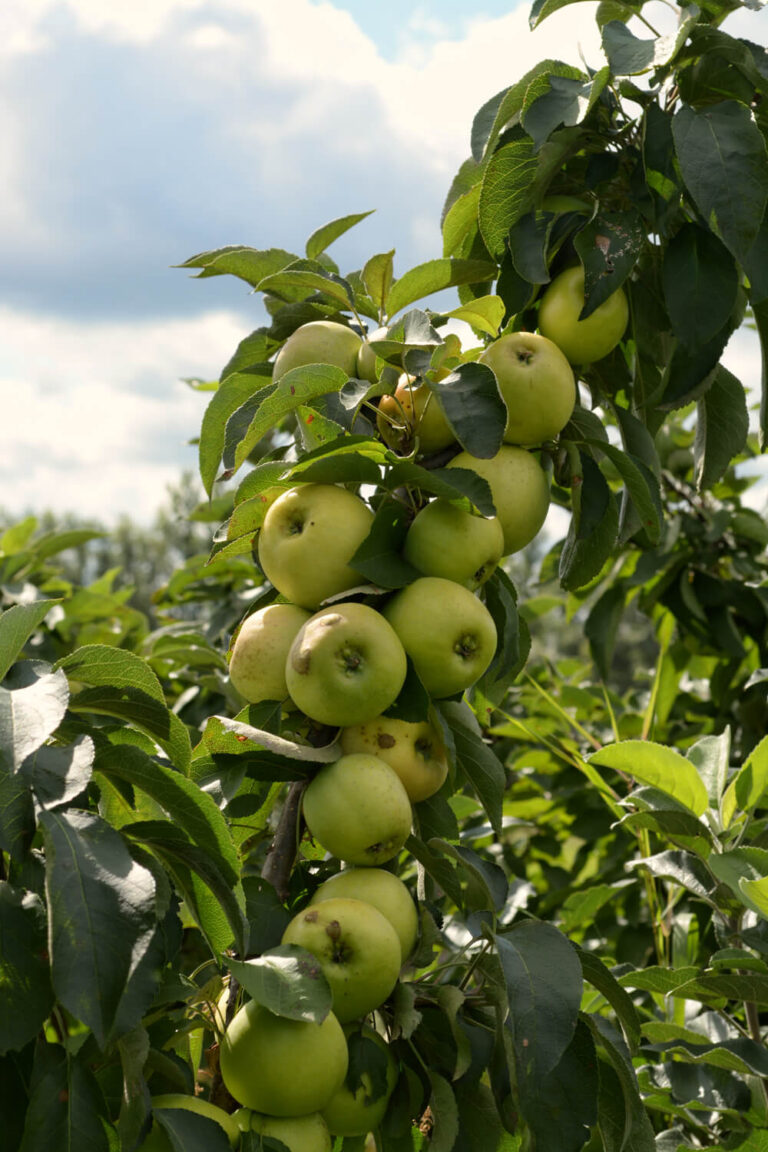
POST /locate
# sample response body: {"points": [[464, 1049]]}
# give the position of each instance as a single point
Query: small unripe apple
{"points": [[261, 1052], [345, 666], [385, 891], [413, 411], [356, 1112], [536, 383], [319, 342], [357, 948], [519, 489], [358, 809], [448, 633], [582, 341], [414, 749], [298, 1133], [260, 650], [445, 540], [308, 537]]}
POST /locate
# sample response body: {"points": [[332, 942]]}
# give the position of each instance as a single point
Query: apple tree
{"points": [[558, 858]]}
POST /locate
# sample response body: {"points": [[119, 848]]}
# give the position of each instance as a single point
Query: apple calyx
{"points": [[466, 646], [350, 659]]}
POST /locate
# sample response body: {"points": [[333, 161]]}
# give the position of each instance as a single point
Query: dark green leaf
{"points": [[470, 399], [700, 281], [514, 641], [17, 624], [601, 978], [378, 558], [445, 1112], [301, 278], [26, 997], [622, 1119], [188, 1131], [232, 394], [487, 878], [323, 237], [288, 980], [602, 624], [449, 483], [608, 247], [66, 1107], [681, 868], [721, 428], [528, 245], [481, 766], [267, 916], [561, 1106], [102, 918], [721, 148], [507, 193], [642, 487], [592, 531], [57, 774], [442, 872]]}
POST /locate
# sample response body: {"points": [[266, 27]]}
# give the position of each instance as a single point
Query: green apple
{"points": [[519, 489], [358, 809], [448, 633], [357, 948], [413, 411], [202, 1107], [415, 751], [358, 1108], [260, 650], [308, 537], [366, 357], [582, 341], [536, 383], [260, 1053], [445, 540], [319, 342], [385, 892], [298, 1133], [345, 666]]}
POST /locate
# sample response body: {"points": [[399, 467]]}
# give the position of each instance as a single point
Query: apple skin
{"points": [[366, 357], [260, 650], [519, 488], [345, 666], [447, 541], [309, 535], [536, 383], [385, 892], [448, 633], [298, 1133], [203, 1108], [357, 949], [416, 410], [355, 1113], [358, 810], [319, 342], [260, 1053], [582, 341], [414, 750]]}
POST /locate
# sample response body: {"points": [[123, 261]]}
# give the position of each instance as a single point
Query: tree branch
{"points": [[282, 850]]}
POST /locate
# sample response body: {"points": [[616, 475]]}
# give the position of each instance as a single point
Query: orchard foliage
{"points": [[592, 879]]}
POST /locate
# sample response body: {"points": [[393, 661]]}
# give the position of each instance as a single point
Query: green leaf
{"points": [[514, 641], [601, 978], [323, 237], [507, 192], [488, 879], [681, 827], [66, 1106], [445, 1111], [641, 484], [187, 806], [444, 874], [377, 277], [543, 979], [561, 1107], [481, 766], [378, 558], [288, 980], [249, 264], [622, 1118], [566, 99], [57, 774], [721, 428], [26, 997], [659, 766], [257, 416], [230, 397], [301, 278], [761, 320], [721, 148], [32, 705], [449, 483], [681, 868], [434, 276], [608, 247], [700, 281], [472, 403], [628, 55], [484, 314], [122, 684], [592, 531], [710, 756], [748, 785], [102, 918], [188, 1131]]}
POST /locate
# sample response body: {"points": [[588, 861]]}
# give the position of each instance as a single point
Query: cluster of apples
{"points": [[343, 663]]}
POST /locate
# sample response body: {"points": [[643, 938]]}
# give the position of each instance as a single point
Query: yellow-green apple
{"points": [[385, 891], [158, 1140], [308, 537], [519, 489], [319, 342], [357, 948], [260, 1053], [361, 1107], [298, 1133], [414, 749], [536, 383], [582, 341], [445, 540], [260, 650], [448, 633], [366, 357], [345, 666], [414, 410], [358, 809]]}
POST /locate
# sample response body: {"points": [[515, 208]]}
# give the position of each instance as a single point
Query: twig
{"points": [[282, 851]]}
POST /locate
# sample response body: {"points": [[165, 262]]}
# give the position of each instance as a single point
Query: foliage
{"points": [[592, 881]]}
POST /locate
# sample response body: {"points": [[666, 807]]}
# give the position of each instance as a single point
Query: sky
{"points": [[137, 133]]}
